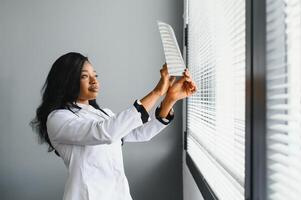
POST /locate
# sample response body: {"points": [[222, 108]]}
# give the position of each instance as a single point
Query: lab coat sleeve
{"points": [[65, 127], [150, 129]]}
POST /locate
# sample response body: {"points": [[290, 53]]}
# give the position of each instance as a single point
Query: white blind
{"points": [[216, 113], [283, 99]]}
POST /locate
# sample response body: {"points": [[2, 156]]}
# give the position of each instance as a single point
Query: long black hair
{"points": [[60, 91]]}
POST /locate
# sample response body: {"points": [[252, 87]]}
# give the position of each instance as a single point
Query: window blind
{"points": [[283, 99], [216, 113]]}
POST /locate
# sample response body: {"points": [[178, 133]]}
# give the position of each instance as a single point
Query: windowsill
{"points": [[199, 179]]}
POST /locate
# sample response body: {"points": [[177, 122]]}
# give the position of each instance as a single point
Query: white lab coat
{"points": [[90, 145]]}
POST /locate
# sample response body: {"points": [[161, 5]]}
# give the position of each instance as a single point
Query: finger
{"points": [[187, 74], [185, 79], [164, 71], [191, 89], [188, 79], [164, 67], [194, 89], [182, 79], [192, 83], [191, 86]]}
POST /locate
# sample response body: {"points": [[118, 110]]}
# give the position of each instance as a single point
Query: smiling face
{"points": [[89, 85]]}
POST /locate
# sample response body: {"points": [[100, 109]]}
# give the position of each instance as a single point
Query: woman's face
{"points": [[89, 85]]}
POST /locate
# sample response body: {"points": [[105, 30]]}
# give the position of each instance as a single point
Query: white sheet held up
{"points": [[173, 56]]}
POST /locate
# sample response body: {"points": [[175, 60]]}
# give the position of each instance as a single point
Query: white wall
{"points": [[123, 43]]}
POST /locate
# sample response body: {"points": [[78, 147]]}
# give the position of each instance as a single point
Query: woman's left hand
{"points": [[165, 81]]}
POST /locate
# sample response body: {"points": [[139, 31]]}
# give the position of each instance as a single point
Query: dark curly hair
{"points": [[60, 91]]}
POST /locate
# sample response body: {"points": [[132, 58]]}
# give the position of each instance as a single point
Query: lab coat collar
{"points": [[86, 107], [83, 105], [90, 108]]}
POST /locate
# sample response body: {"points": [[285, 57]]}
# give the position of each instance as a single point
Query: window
{"points": [[244, 124], [216, 113], [283, 82]]}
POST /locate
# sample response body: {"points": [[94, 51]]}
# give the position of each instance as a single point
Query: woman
{"points": [[89, 138]]}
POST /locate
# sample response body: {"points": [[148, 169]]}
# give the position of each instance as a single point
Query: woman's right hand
{"points": [[165, 81], [182, 88]]}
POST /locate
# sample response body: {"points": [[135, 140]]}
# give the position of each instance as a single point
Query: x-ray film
{"points": [[173, 56]]}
